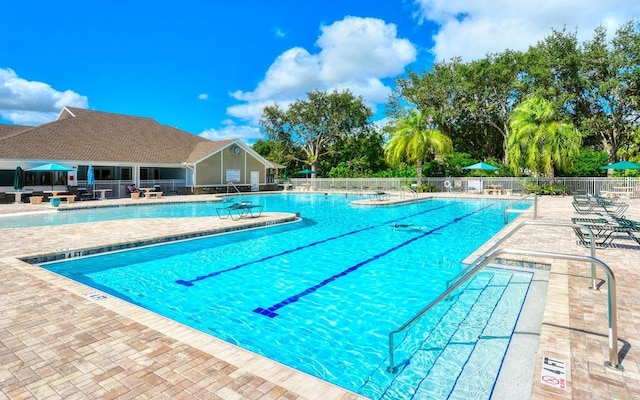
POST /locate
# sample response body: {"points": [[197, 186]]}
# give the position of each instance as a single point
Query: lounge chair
{"points": [[605, 230], [239, 210], [591, 204], [379, 194], [635, 225]]}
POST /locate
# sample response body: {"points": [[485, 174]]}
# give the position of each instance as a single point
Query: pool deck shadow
{"points": [[61, 339]]}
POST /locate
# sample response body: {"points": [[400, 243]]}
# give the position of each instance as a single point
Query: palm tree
{"points": [[413, 140], [540, 140]]}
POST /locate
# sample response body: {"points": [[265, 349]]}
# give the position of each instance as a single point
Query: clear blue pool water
{"points": [[322, 295]]}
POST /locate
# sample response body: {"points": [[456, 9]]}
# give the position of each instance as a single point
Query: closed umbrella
{"points": [[91, 177], [18, 180]]}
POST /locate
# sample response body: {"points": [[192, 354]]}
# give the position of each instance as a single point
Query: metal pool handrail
{"points": [[539, 223], [509, 210], [612, 311], [231, 184], [404, 189]]}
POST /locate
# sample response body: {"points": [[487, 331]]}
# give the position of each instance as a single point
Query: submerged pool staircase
{"points": [[457, 339], [489, 256]]}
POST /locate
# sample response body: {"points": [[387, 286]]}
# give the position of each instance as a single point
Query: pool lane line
{"points": [[216, 273], [270, 311]]}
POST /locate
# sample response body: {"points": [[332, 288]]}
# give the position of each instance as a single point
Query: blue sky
{"points": [[209, 66]]}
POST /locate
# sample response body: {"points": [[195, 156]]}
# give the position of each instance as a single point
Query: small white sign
{"points": [[553, 372], [233, 175]]}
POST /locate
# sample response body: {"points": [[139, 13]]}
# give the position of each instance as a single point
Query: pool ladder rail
{"points": [[509, 210], [230, 184], [491, 254], [404, 190]]}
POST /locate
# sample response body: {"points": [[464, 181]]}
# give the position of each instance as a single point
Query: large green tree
{"points": [[412, 139], [310, 128], [613, 90], [356, 156], [470, 102], [540, 140]]}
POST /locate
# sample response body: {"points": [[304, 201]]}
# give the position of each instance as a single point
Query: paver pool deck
{"points": [[62, 340]]}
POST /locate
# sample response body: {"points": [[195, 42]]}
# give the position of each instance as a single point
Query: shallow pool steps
{"points": [[468, 336]]}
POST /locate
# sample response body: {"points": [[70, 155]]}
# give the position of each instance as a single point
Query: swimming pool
{"points": [[110, 213], [322, 295]]}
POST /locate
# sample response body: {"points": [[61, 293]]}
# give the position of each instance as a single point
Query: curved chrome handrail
{"points": [[613, 361]]}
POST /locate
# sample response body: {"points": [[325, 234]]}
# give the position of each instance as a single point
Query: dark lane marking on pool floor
{"points": [[271, 311], [216, 273]]}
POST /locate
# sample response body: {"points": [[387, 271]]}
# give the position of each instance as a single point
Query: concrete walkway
{"points": [[62, 340]]}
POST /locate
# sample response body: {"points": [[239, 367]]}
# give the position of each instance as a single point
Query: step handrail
{"points": [[592, 247], [508, 210], [233, 186], [612, 311], [404, 189]]}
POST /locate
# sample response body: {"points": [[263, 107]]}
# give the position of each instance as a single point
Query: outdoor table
{"points": [[54, 192], [18, 194], [623, 191], [144, 191], [102, 192]]}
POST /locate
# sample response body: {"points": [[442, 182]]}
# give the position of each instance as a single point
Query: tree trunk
{"points": [[419, 172]]}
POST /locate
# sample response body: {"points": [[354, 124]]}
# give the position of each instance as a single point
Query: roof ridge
{"points": [[86, 110], [17, 132]]}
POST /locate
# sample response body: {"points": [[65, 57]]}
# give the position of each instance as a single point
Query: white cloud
{"points": [[279, 32], [251, 111], [247, 133], [472, 28], [203, 96], [355, 53], [31, 103]]}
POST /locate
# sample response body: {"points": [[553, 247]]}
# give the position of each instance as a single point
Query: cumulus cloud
{"points": [[26, 102], [473, 28], [203, 96], [247, 133], [354, 53]]}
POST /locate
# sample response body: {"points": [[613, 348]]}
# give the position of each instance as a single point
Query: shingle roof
{"points": [[10, 130], [80, 134]]}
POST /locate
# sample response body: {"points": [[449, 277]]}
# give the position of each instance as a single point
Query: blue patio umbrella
{"points": [[622, 165], [482, 166], [51, 167], [91, 178], [18, 180]]}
